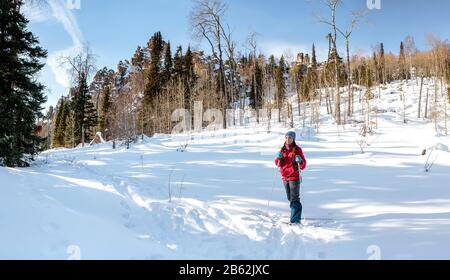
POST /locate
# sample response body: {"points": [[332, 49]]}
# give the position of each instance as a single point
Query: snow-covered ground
{"points": [[226, 196]]}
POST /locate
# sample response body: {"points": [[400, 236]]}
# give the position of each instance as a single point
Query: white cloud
{"points": [[35, 12], [57, 10], [60, 71], [67, 19]]}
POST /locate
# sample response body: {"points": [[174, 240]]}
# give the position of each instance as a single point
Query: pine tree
{"points": [[189, 77], [361, 73], [256, 96], [382, 65], [178, 63], [271, 66], [369, 78], [306, 86], [313, 79], [188, 63], [376, 67], [85, 114], [168, 63], [402, 63], [314, 58], [281, 85], [104, 109], [331, 69], [21, 97], [69, 131], [58, 137], [153, 83]]}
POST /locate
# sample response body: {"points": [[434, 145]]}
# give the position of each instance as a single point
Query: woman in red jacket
{"points": [[291, 161]]}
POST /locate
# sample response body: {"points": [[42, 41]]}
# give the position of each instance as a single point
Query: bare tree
{"points": [[333, 5], [420, 96], [252, 44], [206, 21], [410, 48], [403, 98], [356, 17], [440, 55], [231, 55], [346, 34], [80, 68]]}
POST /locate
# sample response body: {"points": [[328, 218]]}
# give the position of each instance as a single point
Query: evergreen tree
{"points": [[362, 73], [104, 109], [69, 131], [305, 92], [331, 69], [58, 137], [178, 63], [313, 78], [369, 78], [271, 66], [21, 97], [153, 82], [402, 63], [281, 85], [314, 58], [168, 63], [189, 77], [188, 63], [256, 92], [382, 65], [85, 114], [376, 67]]}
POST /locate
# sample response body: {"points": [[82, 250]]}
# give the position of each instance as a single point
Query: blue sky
{"points": [[114, 28]]}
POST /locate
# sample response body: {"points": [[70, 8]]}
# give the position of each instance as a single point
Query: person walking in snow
{"points": [[291, 161]]}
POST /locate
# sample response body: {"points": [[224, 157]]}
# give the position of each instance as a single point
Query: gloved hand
{"points": [[298, 159], [280, 156]]}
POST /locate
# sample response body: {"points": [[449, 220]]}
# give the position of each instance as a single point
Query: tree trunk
{"points": [[445, 116], [222, 72], [298, 97], [82, 135], [336, 69], [291, 115], [256, 87], [420, 98], [435, 106], [350, 94], [404, 108]]}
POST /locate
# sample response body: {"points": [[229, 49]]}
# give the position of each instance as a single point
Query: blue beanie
{"points": [[291, 134]]}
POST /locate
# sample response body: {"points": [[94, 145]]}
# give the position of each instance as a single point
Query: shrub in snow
{"points": [[433, 155]]}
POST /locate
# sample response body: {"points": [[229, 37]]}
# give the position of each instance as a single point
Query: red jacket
{"points": [[288, 170]]}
